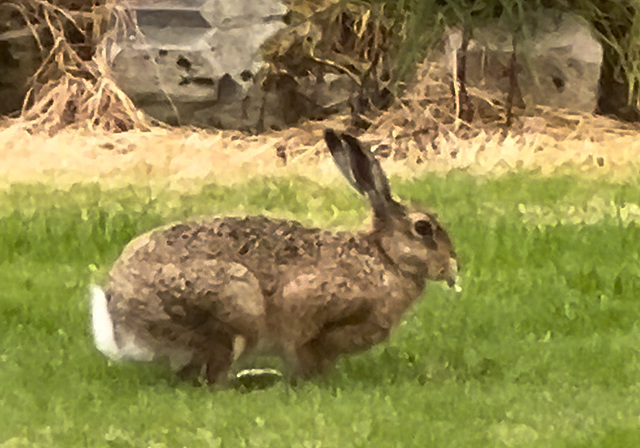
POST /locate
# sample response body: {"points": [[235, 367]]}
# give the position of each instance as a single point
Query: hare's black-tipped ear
{"points": [[340, 154], [367, 170], [362, 170]]}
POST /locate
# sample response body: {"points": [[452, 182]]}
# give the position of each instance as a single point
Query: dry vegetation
{"points": [[182, 156], [73, 84], [78, 126], [417, 136]]}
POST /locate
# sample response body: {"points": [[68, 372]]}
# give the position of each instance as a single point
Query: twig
{"points": [[465, 106], [513, 87]]}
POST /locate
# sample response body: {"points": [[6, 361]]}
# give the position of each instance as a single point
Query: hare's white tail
{"points": [[102, 324], [104, 332]]}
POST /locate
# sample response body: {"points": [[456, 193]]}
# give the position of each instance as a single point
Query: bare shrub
{"points": [[73, 86]]}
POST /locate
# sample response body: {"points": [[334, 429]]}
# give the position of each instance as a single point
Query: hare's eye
{"points": [[423, 228]]}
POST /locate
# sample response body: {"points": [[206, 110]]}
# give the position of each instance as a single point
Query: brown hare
{"points": [[200, 292]]}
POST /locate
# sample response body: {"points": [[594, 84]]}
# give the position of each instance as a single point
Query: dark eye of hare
{"points": [[423, 228]]}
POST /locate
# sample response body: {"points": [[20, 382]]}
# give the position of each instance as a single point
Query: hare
{"points": [[204, 292]]}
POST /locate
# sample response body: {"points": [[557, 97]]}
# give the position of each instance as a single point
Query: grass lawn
{"points": [[541, 349]]}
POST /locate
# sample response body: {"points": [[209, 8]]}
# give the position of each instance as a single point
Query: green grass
{"points": [[541, 349]]}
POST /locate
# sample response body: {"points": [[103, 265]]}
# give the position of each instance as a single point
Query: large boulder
{"points": [[558, 62], [199, 62]]}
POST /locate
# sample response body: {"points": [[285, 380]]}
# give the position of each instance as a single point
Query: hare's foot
{"points": [[212, 362], [314, 357], [191, 372], [220, 358]]}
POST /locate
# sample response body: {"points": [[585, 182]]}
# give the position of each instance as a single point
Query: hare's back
{"points": [[212, 237], [265, 246]]}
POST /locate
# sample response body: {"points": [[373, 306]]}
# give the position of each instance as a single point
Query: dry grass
{"points": [[182, 157], [417, 136], [73, 86]]}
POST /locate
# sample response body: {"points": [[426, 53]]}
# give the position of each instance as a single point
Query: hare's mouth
{"points": [[455, 284], [451, 275]]}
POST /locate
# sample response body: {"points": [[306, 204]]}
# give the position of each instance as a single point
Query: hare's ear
{"points": [[341, 157], [363, 171]]}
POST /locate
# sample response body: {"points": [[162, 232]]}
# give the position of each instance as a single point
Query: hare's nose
{"points": [[453, 267]]}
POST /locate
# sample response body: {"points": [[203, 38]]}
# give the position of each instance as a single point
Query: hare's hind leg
{"points": [[234, 298], [190, 312], [216, 360]]}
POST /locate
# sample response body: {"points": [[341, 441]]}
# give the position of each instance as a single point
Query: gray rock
{"points": [[199, 62], [193, 61], [19, 60], [559, 64]]}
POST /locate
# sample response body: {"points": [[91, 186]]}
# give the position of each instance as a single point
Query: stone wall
{"points": [[199, 62]]}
